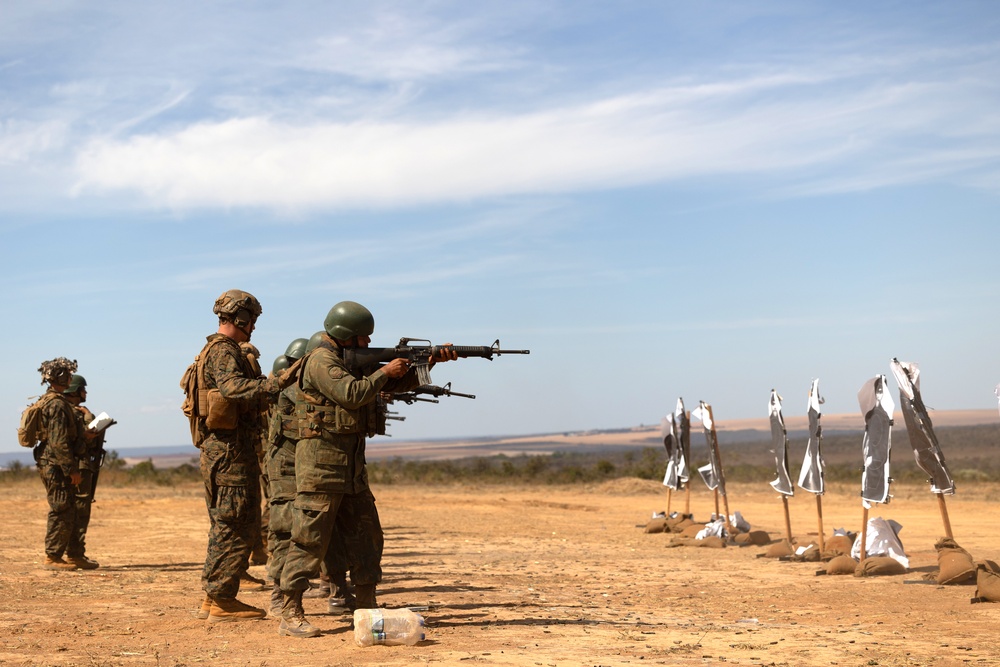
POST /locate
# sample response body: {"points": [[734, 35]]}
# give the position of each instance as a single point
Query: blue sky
{"points": [[659, 199]]}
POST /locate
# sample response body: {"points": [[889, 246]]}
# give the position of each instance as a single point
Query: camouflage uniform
{"points": [[282, 437], [334, 412], [260, 513], [229, 464], [59, 457], [90, 466]]}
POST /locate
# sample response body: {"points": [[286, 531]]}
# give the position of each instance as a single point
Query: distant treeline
{"points": [[971, 452]]}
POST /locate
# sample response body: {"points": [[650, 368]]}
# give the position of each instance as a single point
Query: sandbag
{"points": [[779, 549], [657, 525], [680, 524], [756, 538], [955, 564], [842, 564], [692, 530], [838, 544], [879, 566], [987, 582], [681, 542], [808, 554], [711, 542]]}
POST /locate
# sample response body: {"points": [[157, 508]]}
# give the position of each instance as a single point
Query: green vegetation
{"points": [[972, 453]]}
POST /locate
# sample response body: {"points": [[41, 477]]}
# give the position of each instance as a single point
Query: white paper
{"points": [[101, 422]]}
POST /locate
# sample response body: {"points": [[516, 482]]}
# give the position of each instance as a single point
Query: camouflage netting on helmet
{"points": [[57, 371]]}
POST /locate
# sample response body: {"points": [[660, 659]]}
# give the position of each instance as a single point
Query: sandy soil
{"points": [[513, 576]]}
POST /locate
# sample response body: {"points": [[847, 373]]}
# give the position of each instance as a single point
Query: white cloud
{"points": [[774, 124], [393, 47]]}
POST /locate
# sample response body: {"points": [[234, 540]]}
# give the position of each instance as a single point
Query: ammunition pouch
{"points": [[220, 414], [313, 420]]}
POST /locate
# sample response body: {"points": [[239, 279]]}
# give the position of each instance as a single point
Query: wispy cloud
{"points": [[776, 124]]}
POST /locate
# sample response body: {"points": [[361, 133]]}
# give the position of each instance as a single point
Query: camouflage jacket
{"points": [[64, 444], [95, 444], [338, 407], [229, 456]]}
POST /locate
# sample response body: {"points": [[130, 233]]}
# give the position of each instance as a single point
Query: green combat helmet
{"points": [[76, 383], [296, 349], [349, 319], [314, 341], [239, 306], [280, 364]]}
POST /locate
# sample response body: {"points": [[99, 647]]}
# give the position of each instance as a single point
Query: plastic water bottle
{"points": [[390, 627]]}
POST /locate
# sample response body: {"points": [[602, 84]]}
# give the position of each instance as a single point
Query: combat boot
{"points": [[293, 618], [248, 582], [231, 609], [206, 607], [57, 564], [320, 590], [365, 594], [83, 562], [277, 600], [341, 602], [258, 555]]}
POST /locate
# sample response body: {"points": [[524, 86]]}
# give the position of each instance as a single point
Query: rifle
{"points": [[410, 397], [419, 355]]}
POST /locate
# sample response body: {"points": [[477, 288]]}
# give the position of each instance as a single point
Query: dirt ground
{"points": [[513, 576]]}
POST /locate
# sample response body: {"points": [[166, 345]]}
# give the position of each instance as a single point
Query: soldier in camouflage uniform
{"points": [[90, 467], [334, 412], [280, 459], [59, 455], [260, 513], [234, 396]]}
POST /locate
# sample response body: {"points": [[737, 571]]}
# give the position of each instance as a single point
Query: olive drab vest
{"points": [[315, 414]]}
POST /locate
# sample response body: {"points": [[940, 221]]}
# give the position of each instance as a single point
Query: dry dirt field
{"points": [[513, 576]]}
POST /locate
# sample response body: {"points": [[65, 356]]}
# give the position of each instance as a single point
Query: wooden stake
{"points": [[864, 535], [788, 520], [819, 514], [944, 515], [670, 493], [687, 498], [717, 515]]}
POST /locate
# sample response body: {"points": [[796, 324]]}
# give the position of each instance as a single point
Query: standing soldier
{"points": [[229, 400], [59, 455], [334, 412], [259, 510], [90, 466], [282, 437]]}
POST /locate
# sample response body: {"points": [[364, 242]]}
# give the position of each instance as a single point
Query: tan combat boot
{"points": [[231, 609], [293, 618], [206, 607], [57, 564]]}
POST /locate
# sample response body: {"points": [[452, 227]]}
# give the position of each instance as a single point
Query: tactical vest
{"points": [[316, 414]]}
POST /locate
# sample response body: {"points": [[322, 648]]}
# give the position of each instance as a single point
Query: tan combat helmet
{"points": [[239, 306]]}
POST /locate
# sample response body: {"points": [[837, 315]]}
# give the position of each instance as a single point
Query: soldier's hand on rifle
{"points": [[75, 478], [396, 368], [445, 353]]}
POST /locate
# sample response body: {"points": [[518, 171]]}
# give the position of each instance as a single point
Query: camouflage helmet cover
{"points": [[239, 306], [348, 319], [76, 383], [57, 371], [297, 348]]}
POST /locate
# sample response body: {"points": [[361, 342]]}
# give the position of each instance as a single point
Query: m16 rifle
{"points": [[411, 397], [419, 352]]}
